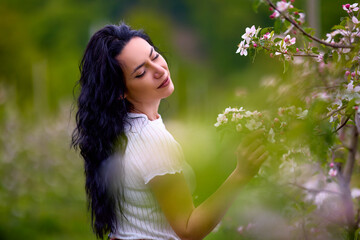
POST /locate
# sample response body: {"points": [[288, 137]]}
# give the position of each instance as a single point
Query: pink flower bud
{"points": [[297, 50], [347, 6], [356, 108], [271, 55], [272, 15], [284, 1], [353, 74], [271, 9], [347, 73], [331, 165], [286, 51], [296, 13], [292, 1], [255, 45]]}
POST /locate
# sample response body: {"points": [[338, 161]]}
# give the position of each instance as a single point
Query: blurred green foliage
{"points": [[42, 42]]}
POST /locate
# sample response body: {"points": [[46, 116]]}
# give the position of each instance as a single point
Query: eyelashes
{"points": [[143, 73]]}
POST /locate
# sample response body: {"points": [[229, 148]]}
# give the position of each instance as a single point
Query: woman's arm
{"points": [[175, 199]]}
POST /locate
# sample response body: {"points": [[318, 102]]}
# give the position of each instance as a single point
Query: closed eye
{"points": [[143, 73], [140, 75], [157, 55]]}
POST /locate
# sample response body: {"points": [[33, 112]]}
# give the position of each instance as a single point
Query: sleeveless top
{"points": [[151, 151]]}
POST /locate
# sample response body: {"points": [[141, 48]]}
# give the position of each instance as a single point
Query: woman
{"points": [[136, 180]]}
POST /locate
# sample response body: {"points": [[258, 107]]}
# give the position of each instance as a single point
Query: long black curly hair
{"points": [[100, 120]]}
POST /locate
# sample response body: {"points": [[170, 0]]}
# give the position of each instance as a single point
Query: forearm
{"points": [[207, 215]]}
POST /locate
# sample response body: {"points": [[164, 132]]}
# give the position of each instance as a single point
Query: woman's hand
{"points": [[251, 154]]}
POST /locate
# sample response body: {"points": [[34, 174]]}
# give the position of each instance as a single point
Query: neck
{"points": [[150, 110]]}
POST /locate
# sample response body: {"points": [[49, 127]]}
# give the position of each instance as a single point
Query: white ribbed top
{"points": [[151, 151]]}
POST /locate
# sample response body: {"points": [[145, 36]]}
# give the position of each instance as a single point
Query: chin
{"points": [[170, 90]]}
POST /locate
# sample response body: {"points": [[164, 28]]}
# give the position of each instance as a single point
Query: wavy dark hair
{"points": [[100, 120]]}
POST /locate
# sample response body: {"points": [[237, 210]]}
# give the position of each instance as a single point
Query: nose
{"points": [[159, 71]]}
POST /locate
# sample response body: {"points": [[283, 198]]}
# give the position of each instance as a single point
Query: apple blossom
{"points": [[275, 14], [238, 127], [333, 172], [355, 192], [350, 87], [320, 57], [282, 6], [355, 20], [350, 8], [250, 33], [301, 17], [242, 48], [267, 36], [289, 41]]}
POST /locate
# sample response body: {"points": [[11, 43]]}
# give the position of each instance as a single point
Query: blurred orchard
{"points": [[288, 67]]}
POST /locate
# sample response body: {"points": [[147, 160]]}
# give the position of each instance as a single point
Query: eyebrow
{"points": [[151, 51]]}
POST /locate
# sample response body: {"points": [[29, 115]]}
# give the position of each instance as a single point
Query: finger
{"points": [[260, 160], [259, 151]]}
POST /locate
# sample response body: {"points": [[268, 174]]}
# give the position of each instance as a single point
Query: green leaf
{"points": [[338, 37], [309, 30], [338, 27], [277, 40], [326, 57], [295, 10], [344, 21], [266, 30], [315, 50]]}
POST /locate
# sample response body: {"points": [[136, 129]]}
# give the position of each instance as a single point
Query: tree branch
{"points": [[333, 45], [342, 125], [295, 55]]}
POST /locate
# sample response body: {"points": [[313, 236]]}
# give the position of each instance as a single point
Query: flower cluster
{"points": [[245, 121], [250, 33], [332, 172], [349, 8], [281, 6], [241, 118]]}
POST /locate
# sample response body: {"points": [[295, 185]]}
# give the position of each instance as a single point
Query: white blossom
{"points": [[355, 192], [238, 127], [250, 33], [350, 87], [355, 20], [242, 48], [282, 6], [220, 120], [301, 17], [271, 136], [320, 57], [302, 114], [350, 8], [333, 172], [253, 125]]}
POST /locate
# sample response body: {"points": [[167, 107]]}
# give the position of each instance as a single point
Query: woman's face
{"points": [[147, 77]]}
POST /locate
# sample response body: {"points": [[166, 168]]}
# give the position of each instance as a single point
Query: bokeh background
{"points": [[41, 179]]}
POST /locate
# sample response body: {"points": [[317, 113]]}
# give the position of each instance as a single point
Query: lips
{"points": [[165, 83]]}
